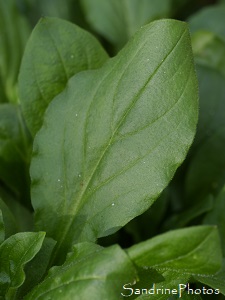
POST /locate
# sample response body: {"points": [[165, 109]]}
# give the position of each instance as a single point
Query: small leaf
{"points": [[15, 252], [14, 32], [55, 52], [90, 272], [117, 20], [96, 165], [194, 250], [37, 267]]}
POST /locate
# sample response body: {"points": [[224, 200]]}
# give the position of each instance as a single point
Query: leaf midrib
{"points": [[75, 208]]}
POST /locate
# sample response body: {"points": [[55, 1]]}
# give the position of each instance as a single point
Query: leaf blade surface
{"points": [[112, 164], [55, 52], [89, 272], [15, 252]]}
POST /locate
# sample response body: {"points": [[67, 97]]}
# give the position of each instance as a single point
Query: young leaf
{"points": [[96, 164], [15, 252], [14, 32], [194, 250], [55, 52], [2, 228], [90, 272], [117, 20]]}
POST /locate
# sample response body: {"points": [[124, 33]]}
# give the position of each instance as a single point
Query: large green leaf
{"points": [[15, 252], [108, 148], [14, 33], [55, 51], [117, 20], [15, 149], [90, 272], [193, 250]]}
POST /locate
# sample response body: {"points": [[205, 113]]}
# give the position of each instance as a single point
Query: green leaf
{"points": [[112, 165], [37, 267], [205, 174], [15, 252], [210, 18], [216, 281], [55, 52], [209, 52], [216, 216], [90, 272], [193, 250], [14, 32], [118, 20], [2, 228], [10, 226], [15, 149]]}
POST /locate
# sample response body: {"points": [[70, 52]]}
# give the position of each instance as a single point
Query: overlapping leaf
{"points": [[15, 252], [55, 52], [108, 148], [117, 20], [37, 267], [14, 32], [194, 250], [177, 255], [90, 272]]}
